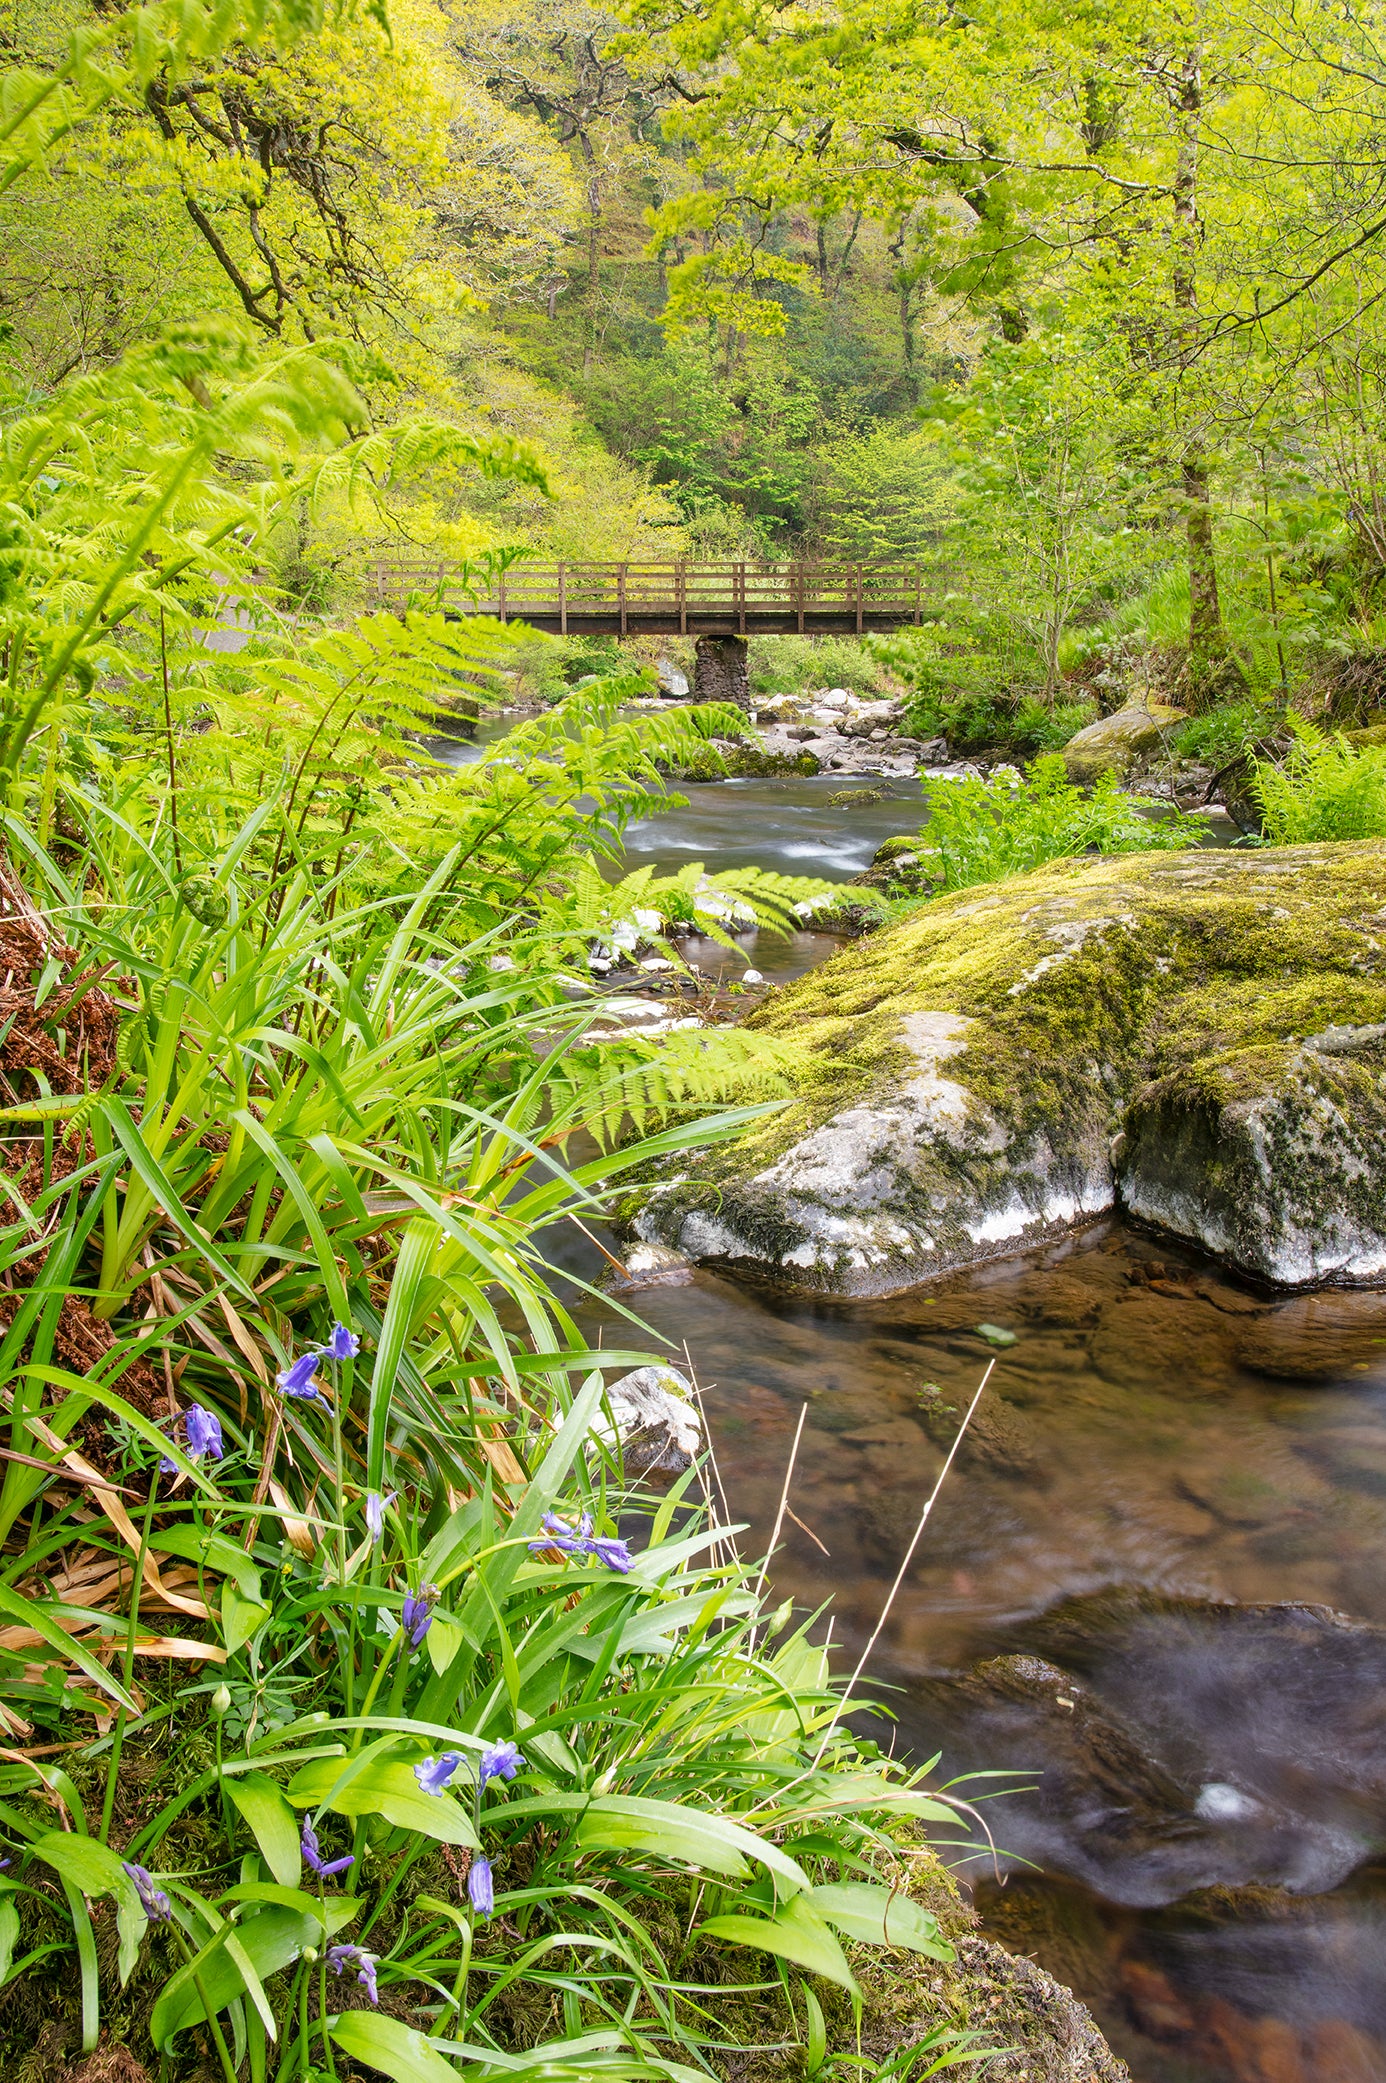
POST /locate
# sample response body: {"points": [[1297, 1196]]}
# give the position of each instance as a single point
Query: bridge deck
{"points": [[665, 599]]}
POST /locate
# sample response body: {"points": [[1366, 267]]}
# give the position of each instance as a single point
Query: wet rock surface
{"points": [[1199, 1037]]}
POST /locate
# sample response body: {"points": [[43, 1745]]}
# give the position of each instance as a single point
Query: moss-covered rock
{"points": [[1115, 743], [1201, 1036]]}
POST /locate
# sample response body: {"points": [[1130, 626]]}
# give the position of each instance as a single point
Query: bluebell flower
{"points": [[301, 1379], [153, 1901], [375, 1513], [312, 1855], [202, 1430], [340, 1958], [342, 1345], [580, 1540], [433, 1774], [481, 1892], [202, 1435], [498, 1761], [416, 1614]]}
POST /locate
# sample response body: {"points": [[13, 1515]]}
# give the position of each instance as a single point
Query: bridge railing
{"points": [[681, 595]]}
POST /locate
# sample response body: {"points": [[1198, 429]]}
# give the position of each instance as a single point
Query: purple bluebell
{"points": [[202, 1430], [416, 1614], [376, 1507], [301, 1379], [580, 1540], [153, 1901], [342, 1345], [498, 1761], [433, 1774], [340, 1958], [312, 1855], [615, 1554], [481, 1892]]}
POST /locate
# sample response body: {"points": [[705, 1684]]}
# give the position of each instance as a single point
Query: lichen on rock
{"points": [[1199, 1036]]}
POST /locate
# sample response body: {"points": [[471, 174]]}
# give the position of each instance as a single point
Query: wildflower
{"points": [[202, 1430], [580, 1540], [312, 1855], [342, 1345], [340, 1958], [433, 1774], [300, 1379], [375, 1513], [480, 1889], [153, 1901], [615, 1554], [202, 1433], [416, 1614], [498, 1761]]}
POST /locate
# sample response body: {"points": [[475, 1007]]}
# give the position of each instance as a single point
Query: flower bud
{"points": [[221, 1701]]}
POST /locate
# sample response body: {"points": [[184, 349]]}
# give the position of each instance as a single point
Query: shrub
{"points": [[979, 830], [1223, 733], [790, 664]]}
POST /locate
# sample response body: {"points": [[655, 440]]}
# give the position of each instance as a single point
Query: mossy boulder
{"points": [[1199, 1037], [1116, 743]]}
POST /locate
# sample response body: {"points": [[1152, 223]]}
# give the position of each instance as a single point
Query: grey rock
{"points": [[657, 1422]]}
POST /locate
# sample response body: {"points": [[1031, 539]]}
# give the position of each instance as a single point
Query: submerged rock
{"points": [[1200, 1037]]}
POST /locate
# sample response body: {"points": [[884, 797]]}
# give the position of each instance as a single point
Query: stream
{"points": [[1171, 1477], [1141, 1629]]}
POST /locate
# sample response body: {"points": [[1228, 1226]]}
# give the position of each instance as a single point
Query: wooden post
{"points": [[857, 569], [621, 594], [918, 589], [799, 594], [739, 598], [681, 589], [502, 596], [563, 600]]}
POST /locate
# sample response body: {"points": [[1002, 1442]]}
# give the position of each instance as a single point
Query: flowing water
{"points": [[1174, 1489]]}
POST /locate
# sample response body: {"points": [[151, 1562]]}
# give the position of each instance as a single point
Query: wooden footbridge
{"points": [[680, 599]]}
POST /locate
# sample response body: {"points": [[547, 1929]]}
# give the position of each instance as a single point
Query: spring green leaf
{"points": [[881, 1916], [796, 1933], [387, 1787], [272, 1823]]}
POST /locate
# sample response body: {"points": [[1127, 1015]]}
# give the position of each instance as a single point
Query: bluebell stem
{"points": [[153, 1901], [433, 1774], [416, 1614], [301, 1379], [481, 1892], [312, 1855], [340, 1958], [342, 1345], [498, 1761]]}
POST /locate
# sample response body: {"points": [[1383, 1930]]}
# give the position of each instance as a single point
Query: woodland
{"points": [[361, 1710]]}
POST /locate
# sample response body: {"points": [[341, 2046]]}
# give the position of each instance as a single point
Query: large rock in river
{"points": [[1199, 1037], [1115, 743]]}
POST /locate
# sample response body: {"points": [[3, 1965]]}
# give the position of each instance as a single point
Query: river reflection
{"points": [[1157, 1443]]}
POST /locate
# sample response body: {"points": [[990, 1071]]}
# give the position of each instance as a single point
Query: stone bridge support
{"points": [[719, 673]]}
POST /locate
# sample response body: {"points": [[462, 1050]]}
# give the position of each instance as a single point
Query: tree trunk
{"points": [[1211, 668]]}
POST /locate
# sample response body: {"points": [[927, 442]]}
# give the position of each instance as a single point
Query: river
{"points": [[1173, 1476]]}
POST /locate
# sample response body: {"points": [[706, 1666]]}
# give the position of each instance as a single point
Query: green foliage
{"points": [[1225, 732], [980, 831], [793, 664], [1324, 788]]}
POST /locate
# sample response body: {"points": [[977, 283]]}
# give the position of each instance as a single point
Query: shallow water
{"points": [[1193, 1828], [1158, 1442]]}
